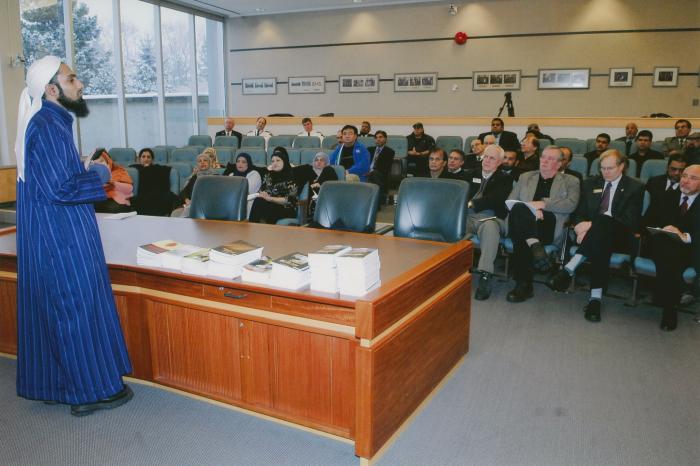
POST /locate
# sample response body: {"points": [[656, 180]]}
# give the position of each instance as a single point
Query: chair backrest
{"points": [[182, 171], [294, 156], [160, 154], [468, 144], [544, 143], [225, 154], [174, 181], [284, 140], [367, 141], [348, 206], [659, 146], [646, 202], [579, 164], [619, 145], [306, 142], [431, 209], [577, 146], [123, 155], [590, 144], [184, 155], [449, 143], [630, 171], [339, 171], [196, 148], [199, 140], [399, 144], [329, 142], [652, 168], [226, 141], [217, 197], [134, 174], [253, 141], [307, 155], [257, 154]]}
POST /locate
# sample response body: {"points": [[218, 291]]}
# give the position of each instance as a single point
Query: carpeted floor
{"points": [[540, 386]]}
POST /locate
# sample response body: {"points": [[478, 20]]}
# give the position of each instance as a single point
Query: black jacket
{"points": [[626, 203], [495, 193]]}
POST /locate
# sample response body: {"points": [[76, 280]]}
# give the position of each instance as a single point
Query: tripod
{"points": [[509, 103]]}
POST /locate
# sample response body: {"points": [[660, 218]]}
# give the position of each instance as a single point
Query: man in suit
{"points": [[644, 150], [679, 141], [529, 154], [602, 142], [437, 165], [472, 160], [506, 139], [382, 157], [365, 129], [510, 164], [607, 218], [488, 189], [568, 156], [629, 137], [547, 198], [420, 146], [658, 185], [455, 164], [692, 151], [679, 215], [229, 123]]}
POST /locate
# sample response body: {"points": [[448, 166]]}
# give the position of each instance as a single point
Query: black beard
{"points": [[78, 106]]}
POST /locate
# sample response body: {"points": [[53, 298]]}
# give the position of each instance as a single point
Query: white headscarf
{"points": [[38, 76]]}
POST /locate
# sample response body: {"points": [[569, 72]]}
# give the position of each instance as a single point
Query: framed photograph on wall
{"points": [[577, 78], [621, 77], [665, 76], [258, 86], [306, 85], [495, 80], [358, 83], [415, 82]]}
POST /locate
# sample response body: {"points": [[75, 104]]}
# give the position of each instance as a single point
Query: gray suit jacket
{"points": [[562, 200]]}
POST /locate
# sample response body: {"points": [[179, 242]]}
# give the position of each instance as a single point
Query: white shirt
{"points": [[265, 134], [613, 188], [671, 185], [691, 198], [311, 133]]}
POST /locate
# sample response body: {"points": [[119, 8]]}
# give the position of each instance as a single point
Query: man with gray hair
{"points": [[488, 189]]}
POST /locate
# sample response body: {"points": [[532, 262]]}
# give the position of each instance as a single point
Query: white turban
{"points": [[38, 76]]}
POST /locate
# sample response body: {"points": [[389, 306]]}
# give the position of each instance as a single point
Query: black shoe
{"points": [[540, 260], [560, 281], [114, 401], [592, 310], [520, 293], [483, 290], [669, 319]]}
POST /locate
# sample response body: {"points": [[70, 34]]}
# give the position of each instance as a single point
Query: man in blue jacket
{"points": [[352, 155]]}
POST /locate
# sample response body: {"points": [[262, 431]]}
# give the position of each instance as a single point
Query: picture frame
{"points": [[306, 85], [351, 83], [495, 80], [572, 78], [258, 86], [415, 82], [621, 77], [665, 76]]}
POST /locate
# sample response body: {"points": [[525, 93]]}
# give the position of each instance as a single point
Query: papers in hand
{"points": [[121, 216], [669, 234], [511, 202], [253, 196]]}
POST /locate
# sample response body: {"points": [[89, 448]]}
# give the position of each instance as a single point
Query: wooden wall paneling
{"points": [[8, 315], [134, 322], [343, 383], [256, 367], [397, 374]]}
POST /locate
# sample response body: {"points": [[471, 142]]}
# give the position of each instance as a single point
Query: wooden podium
{"points": [[356, 368]]}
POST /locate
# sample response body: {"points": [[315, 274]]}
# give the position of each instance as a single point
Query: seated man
{"points": [[455, 164], [657, 186], [644, 151], [365, 129], [309, 129], [380, 166], [488, 189], [510, 164], [473, 159], [420, 145], [677, 214], [607, 218], [529, 154], [629, 137], [534, 129], [552, 196], [506, 139], [352, 155], [437, 164], [259, 130], [229, 123], [602, 141], [678, 142], [692, 151], [568, 156], [490, 139]]}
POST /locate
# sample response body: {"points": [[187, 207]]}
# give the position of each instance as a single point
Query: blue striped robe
{"points": [[70, 344]]}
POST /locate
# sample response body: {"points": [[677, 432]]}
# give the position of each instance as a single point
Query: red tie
{"points": [[684, 205]]}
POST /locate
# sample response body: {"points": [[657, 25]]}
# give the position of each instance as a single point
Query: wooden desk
{"points": [[353, 368]]}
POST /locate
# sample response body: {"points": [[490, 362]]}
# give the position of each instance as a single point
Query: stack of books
{"points": [[173, 259], [291, 271], [196, 263], [151, 254], [257, 271], [324, 273], [227, 260], [358, 271]]}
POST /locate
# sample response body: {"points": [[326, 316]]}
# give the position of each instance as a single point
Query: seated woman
{"points": [[154, 196], [315, 175], [278, 194], [213, 156], [120, 187], [244, 167], [203, 167]]}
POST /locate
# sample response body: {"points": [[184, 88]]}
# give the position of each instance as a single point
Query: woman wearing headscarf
{"points": [[277, 198], [203, 167], [315, 175], [244, 167], [213, 156], [120, 187], [154, 196]]}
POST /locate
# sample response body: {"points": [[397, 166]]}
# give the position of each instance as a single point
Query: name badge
{"points": [[476, 180], [599, 190]]}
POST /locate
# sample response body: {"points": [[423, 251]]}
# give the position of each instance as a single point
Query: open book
{"points": [[669, 234], [511, 202]]}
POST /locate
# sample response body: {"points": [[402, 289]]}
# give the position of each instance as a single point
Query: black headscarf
{"points": [[232, 168], [286, 173]]}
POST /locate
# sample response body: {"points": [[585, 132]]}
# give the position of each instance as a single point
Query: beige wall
{"points": [[11, 79], [599, 52]]}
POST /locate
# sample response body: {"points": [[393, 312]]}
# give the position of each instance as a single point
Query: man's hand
{"points": [[672, 229], [539, 205], [539, 215], [581, 229]]}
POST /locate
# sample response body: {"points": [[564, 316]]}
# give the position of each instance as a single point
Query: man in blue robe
{"points": [[70, 345]]}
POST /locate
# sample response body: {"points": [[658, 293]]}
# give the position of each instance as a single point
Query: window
{"points": [[42, 29], [209, 36]]}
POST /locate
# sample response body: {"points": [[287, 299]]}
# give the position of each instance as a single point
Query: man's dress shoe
{"points": [[592, 311], [520, 293], [559, 281], [669, 319]]}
